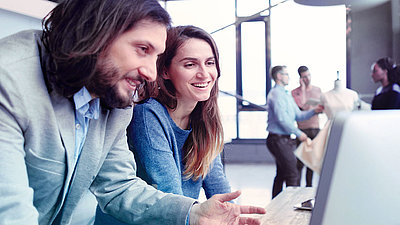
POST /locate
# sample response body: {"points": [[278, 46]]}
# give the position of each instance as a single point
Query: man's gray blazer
{"points": [[37, 138]]}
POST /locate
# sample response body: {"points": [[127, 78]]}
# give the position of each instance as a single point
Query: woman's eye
{"points": [[189, 64], [211, 62]]}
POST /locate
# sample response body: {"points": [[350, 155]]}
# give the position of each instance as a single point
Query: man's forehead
{"points": [[149, 32], [305, 73]]}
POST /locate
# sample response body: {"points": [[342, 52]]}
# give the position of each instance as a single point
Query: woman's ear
{"points": [[165, 75]]}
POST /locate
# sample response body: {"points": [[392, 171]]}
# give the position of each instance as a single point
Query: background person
{"points": [[306, 92], [387, 96], [177, 136], [282, 114], [80, 74]]}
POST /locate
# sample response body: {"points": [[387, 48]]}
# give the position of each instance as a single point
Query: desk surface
{"points": [[281, 211]]}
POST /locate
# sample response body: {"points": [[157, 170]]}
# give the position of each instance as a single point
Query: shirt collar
{"points": [[86, 105], [280, 87]]}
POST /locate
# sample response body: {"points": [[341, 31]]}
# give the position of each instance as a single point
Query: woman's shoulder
{"points": [[396, 88], [389, 90], [149, 104], [149, 110]]}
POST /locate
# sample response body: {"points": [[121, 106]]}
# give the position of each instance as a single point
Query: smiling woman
{"points": [[192, 72], [187, 124]]}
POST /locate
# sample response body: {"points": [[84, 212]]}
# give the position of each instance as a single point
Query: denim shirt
{"points": [[283, 112]]}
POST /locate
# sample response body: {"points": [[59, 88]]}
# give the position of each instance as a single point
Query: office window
{"points": [[226, 41], [250, 7], [311, 36], [300, 35], [253, 125], [253, 62]]}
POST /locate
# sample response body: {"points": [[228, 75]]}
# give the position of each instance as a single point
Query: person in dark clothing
{"points": [[387, 96]]}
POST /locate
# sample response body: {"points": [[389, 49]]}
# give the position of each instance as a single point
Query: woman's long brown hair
{"points": [[205, 141]]}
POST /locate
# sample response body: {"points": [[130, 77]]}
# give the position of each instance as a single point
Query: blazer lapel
{"points": [[64, 111], [92, 149], [88, 163]]}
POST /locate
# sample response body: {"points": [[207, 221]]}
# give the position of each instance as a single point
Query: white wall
{"points": [[17, 15], [13, 22]]}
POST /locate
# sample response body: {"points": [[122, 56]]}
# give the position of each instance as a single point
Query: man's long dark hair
{"points": [[75, 32]]}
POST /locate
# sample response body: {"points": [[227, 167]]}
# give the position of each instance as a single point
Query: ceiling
{"points": [[355, 4]]}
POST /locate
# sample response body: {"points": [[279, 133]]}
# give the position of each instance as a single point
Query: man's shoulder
{"points": [[275, 91], [21, 35], [315, 88], [19, 46], [296, 91]]}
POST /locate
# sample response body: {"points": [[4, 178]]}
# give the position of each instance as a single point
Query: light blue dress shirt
{"points": [[283, 112], [85, 109]]}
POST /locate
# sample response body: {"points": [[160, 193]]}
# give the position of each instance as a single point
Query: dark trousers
{"points": [[311, 133], [282, 147]]}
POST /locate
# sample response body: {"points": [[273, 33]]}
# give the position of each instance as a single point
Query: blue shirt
{"points": [[283, 112], [85, 109]]}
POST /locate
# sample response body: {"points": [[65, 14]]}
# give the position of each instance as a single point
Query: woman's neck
{"points": [[181, 114], [384, 82]]}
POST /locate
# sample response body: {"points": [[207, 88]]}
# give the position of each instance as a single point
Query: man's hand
{"points": [[303, 85], [217, 210], [303, 137]]}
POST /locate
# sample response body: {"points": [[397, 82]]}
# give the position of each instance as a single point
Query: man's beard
{"points": [[113, 99], [104, 85]]}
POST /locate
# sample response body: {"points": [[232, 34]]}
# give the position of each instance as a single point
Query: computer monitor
{"points": [[360, 175]]}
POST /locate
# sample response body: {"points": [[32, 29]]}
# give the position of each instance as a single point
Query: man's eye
{"points": [[143, 49]]}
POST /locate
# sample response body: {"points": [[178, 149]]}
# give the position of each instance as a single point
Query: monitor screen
{"points": [[360, 176]]}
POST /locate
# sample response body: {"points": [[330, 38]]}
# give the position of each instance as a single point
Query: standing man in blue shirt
{"points": [[282, 115]]}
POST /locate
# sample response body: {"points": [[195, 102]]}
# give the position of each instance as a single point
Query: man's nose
{"points": [[148, 70]]}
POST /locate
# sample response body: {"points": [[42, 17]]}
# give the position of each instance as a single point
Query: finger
{"points": [[249, 221], [244, 209], [228, 196]]}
